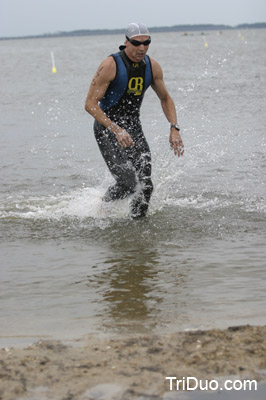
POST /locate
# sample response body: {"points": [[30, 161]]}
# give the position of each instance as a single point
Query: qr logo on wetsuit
{"points": [[135, 86]]}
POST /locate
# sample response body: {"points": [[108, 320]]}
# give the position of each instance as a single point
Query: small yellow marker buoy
{"points": [[205, 41], [53, 63]]}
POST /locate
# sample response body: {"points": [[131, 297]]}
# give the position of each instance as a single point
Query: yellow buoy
{"points": [[205, 41], [53, 63]]}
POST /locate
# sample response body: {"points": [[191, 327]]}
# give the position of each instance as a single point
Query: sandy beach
{"points": [[133, 367]]}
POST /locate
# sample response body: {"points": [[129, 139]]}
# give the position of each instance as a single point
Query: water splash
{"points": [[82, 204]]}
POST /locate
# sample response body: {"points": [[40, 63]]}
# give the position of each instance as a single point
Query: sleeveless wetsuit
{"points": [[130, 166]]}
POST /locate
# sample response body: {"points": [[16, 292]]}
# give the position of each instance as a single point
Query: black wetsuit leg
{"points": [[141, 159], [118, 163], [129, 166]]}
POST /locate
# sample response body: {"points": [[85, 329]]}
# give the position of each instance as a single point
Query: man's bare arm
{"points": [[168, 107], [99, 84]]}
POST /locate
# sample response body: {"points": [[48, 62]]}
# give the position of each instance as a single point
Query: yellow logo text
{"points": [[135, 85]]}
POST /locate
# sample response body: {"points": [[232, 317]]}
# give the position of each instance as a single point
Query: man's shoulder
{"points": [[108, 66], [156, 68], [154, 62], [109, 61]]}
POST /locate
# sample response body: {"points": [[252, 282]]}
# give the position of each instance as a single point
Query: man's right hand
{"points": [[124, 138]]}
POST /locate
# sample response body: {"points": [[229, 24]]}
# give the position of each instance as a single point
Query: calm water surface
{"points": [[71, 265]]}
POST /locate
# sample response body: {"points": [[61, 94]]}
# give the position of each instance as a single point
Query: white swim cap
{"points": [[136, 29]]}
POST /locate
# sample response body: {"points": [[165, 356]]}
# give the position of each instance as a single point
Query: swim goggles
{"points": [[137, 43]]}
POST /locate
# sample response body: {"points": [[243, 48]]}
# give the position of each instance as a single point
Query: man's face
{"points": [[137, 53]]}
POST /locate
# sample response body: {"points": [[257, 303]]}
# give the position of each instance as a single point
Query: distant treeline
{"points": [[175, 28]]}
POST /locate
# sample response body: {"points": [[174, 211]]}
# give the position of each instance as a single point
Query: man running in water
{"points": [[114, 99]]}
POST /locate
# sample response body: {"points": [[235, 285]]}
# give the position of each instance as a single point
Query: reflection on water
{"points": [[142, 280], [129, 296]]}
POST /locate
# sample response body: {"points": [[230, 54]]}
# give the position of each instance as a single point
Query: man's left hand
{"points": [[176, 142]]}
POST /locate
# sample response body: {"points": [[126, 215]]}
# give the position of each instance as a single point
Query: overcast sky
{"points": [[30, 17]]}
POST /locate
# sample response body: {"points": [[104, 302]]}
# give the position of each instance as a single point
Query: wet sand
{"points": [[133, 367]]}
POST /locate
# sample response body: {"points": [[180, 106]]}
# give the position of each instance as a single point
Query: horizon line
{"points": [[154, 29]]}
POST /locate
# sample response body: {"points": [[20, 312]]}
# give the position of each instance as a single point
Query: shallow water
{"points": [[71, 265]]}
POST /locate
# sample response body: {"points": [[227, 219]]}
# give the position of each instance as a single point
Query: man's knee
{"points": [[128, 180], [125, 185]]}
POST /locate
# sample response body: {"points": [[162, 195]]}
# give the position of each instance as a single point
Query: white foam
{"points": [[198, 201], [81, 204]]}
